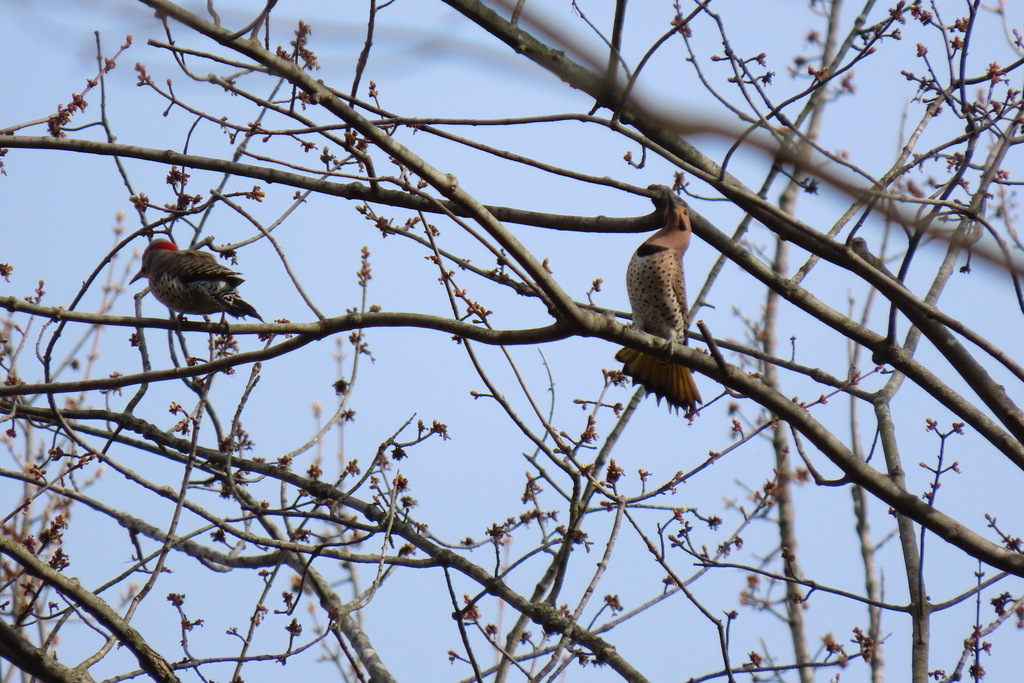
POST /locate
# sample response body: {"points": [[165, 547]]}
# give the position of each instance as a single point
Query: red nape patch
{"points": [[162, 244]]}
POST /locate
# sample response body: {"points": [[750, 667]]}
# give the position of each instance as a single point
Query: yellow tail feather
{"points": [[668, 381]]}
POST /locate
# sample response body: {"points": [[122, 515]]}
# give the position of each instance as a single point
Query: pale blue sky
{"points": [[56, 224]]}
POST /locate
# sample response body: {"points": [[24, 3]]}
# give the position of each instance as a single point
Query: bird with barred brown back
{"points": [[188, 281], [657, 295]]}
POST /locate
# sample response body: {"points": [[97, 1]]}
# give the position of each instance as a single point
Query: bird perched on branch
{"points": [[657, 295], [188, 281]]}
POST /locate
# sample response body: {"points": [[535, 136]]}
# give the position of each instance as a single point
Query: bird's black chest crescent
{"points": [[649, 250]]}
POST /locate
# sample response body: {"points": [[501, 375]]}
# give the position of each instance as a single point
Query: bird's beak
{"points": [[138, 276], [664, 197]]}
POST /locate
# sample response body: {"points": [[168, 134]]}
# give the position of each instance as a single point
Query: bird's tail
{"points": [[239, 307], [668, 381]]}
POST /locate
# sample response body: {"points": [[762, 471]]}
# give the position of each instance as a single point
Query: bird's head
{"points": [[156, 246], [675, 219]]}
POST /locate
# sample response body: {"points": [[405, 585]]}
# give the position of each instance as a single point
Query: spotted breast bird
{"points": [[657, 295], [188, 281]]}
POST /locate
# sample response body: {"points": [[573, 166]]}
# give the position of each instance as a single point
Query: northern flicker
{"points": [[192, 281], [657, 295]]}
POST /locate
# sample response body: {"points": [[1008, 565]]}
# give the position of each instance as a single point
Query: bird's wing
{"points": [[201, 265], [678, 284]]}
